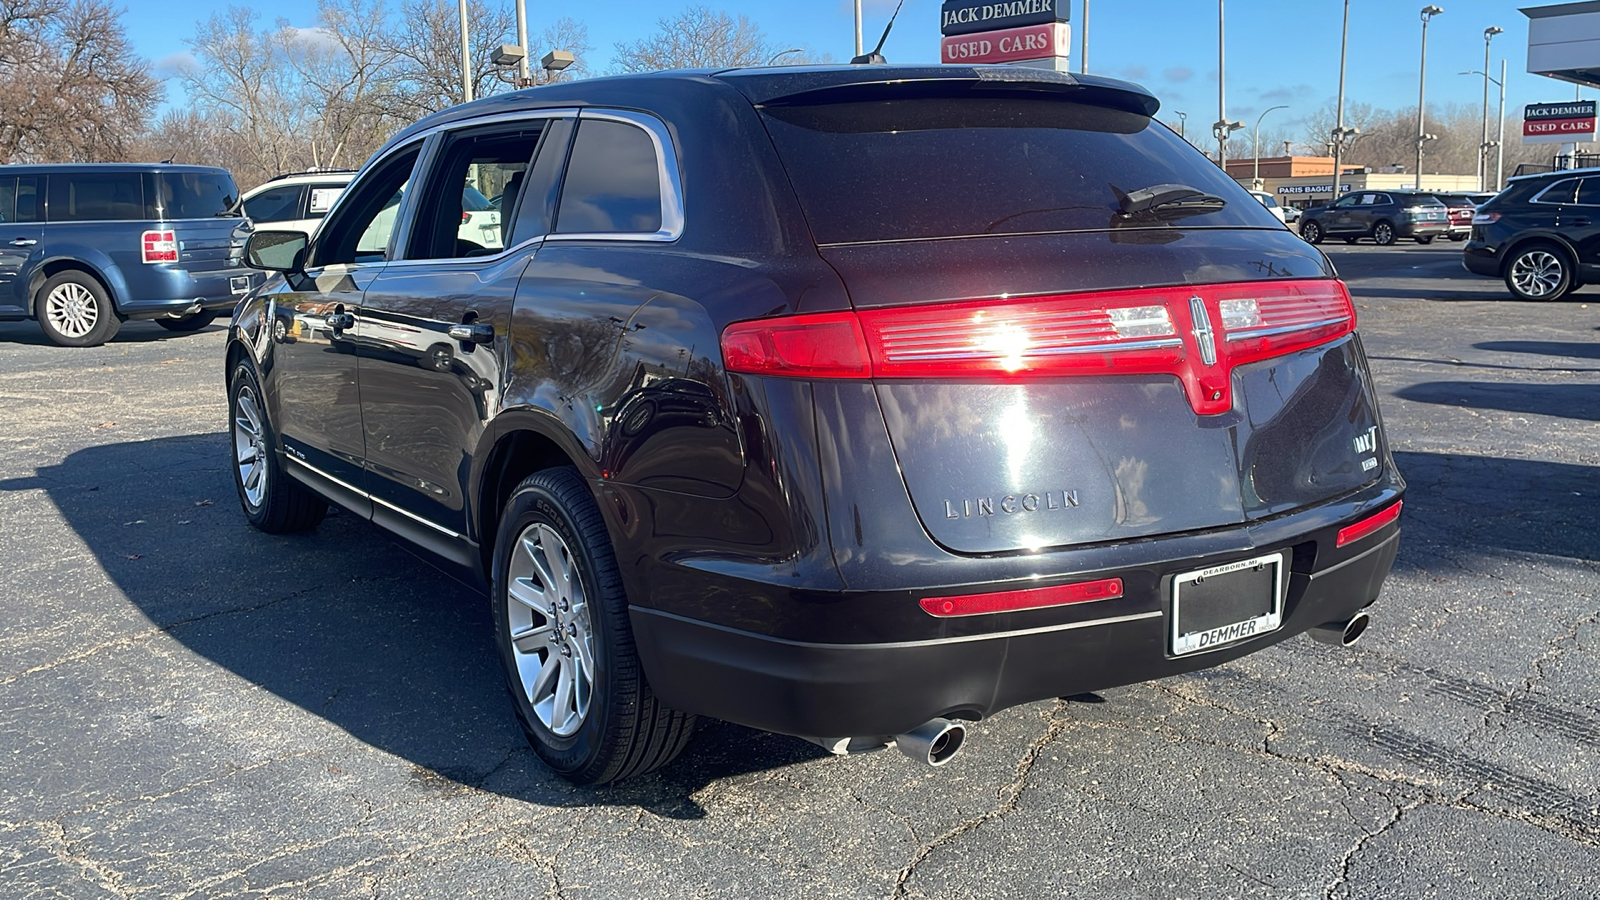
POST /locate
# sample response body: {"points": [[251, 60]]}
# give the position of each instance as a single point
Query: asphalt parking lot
{"points": [[192, 708]]}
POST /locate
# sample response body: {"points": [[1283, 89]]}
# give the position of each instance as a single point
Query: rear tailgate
{"points": [[1024, 462], [1055, 366]]}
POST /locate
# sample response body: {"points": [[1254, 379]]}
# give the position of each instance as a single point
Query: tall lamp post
{"points": [[1498, 144], [1083, 40], [1222, 127], [1483, 144], [1183, 123], [858, 27], [1339, 132], [1428, 12], [1255, 179], [466, 57]]}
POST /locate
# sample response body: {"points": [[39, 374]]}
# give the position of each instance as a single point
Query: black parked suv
{"points": [[853, 403], [85, 247], [1384, 216], [1541, 234]]}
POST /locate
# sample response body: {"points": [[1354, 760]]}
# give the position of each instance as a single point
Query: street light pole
{"points": [[466, 58], [522, 41], [858, 27], [1222, 93], [1255, 180], [1338, 125], [1428, 12], [1500, 148], [1183, 124], [1483, 144], [1083, 40]]}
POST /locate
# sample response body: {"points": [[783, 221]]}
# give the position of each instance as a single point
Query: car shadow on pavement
{"points": [[1570, 401], [342, 623], [28, 334], [1564, 349], [1487, 505]]}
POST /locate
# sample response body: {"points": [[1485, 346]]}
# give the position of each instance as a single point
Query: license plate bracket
{"points": [[1221, 605], [238, 284]]}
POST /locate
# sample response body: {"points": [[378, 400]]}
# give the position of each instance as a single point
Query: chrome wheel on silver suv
{"points": [[1539, 273]]}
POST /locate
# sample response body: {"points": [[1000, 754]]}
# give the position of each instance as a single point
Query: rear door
{"points": [[21, 228], [1050, 371], [1580, 223]]}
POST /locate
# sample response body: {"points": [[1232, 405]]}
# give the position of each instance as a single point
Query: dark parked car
{"points": [[854, 403], [1541, 234], [1384, 216], [85, 247]]}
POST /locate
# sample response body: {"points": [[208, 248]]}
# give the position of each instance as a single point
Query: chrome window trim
{"points": [[1539, 197], [672, 217], [421, 143], [497, 119]]}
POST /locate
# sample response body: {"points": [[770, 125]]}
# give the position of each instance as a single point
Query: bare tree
{"points": [[346, 68], [427, 45], [569, 35], [701, 37], [71, 87]]}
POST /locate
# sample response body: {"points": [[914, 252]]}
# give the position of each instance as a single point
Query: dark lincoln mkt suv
{"points": [[854, 403], [84, 247], [1541, 234]]}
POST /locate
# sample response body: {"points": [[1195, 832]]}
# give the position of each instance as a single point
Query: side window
{"points": [[1383, 200], [1368, 199], [8, 200], [30, 199], [1589, 192], [96, 196], [613, 183], [1560, 192], [361, 230], [457, 217], [322, 199], [279, 204]]}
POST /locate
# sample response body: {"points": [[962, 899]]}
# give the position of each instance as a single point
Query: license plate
{"points": [[239, 283], [1226, 604]]}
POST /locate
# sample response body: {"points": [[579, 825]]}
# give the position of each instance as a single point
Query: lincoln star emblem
{"points": [[1203, 334]]}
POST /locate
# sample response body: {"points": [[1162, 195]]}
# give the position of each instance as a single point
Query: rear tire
{"points": [[74, 310], [1312, 232], [1383, 234], [1539, 272], [1424, 240], [1458, 237], [562, 629], [189, 323], [1351, 240], [272, 501]]}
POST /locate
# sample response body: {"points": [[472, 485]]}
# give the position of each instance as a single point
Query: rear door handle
{"points": [[473, 332], [24, 242], [1578, 223]]}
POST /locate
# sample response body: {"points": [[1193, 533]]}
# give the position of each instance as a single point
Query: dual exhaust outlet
{"points": [[937, 741]]}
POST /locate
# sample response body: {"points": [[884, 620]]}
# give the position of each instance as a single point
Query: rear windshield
{"points": [[936, 167], [194, 195]]}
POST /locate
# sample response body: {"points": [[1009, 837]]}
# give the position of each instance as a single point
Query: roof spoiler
{"points": [[863, 84]]}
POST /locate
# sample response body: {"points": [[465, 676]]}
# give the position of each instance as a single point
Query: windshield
{"points": [[937, 167]]}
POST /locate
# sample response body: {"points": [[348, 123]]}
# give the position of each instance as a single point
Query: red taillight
{"points": [[1033, 598], [159, 246], [466, 217], [1196, 333], [1352, 533]]}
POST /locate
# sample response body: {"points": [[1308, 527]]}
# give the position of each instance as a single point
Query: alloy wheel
{"points": [[1384, 234], [551, 635], [72, 309], [1537, 273], [249, 446]]}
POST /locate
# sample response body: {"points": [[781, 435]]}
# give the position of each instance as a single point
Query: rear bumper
{"points": [[877, 689], [184, 293], [1422, 229], [1480, 259]]}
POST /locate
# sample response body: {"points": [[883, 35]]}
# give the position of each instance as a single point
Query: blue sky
{"points": [[1279, 51]]}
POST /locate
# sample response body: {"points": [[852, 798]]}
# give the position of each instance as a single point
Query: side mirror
{"points": [[276, 251]]}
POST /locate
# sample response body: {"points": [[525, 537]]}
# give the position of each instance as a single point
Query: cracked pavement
{"points": [[190, 708]]}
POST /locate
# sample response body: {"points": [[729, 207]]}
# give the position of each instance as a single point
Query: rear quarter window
{"points": [[96, 196], [613, 183], [939, 167], [191, 195]]}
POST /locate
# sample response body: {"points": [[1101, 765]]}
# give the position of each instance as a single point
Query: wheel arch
{"points": [[54, 266], [1522, 243], [521, 443]]}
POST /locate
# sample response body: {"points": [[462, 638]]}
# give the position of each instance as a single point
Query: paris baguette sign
{"points": [[1559, 123], [974, 16]]}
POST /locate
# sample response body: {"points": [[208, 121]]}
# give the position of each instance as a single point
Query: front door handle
{"points": [[341, 321], [472, 332], [1578, 222], [24, 242]]}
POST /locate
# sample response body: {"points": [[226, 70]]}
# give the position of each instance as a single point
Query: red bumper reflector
{"points": [[1033, 598], [1351, 533]]}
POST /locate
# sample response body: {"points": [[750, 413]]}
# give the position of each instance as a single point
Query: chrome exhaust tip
{"points": [[1342, 634], [935, 742]]}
